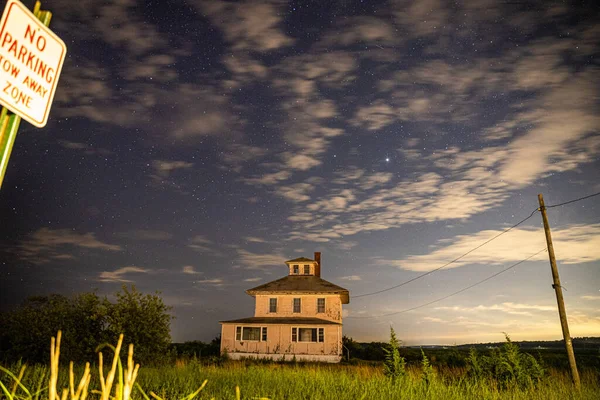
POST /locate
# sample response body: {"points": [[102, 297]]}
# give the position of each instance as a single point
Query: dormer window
{"points": [[296, 269], [306, 269]]}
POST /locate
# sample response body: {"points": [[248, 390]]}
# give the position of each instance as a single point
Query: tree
{"points": [[350, 347], [86, 321], [27, 330], [144, 320]]}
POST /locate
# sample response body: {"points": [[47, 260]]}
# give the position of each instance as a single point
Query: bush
{"points": [[394, 365], [428, 373], [86, 321], [507, 366]]}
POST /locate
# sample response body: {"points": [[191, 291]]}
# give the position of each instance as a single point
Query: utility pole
{"points": [[562, 312]]}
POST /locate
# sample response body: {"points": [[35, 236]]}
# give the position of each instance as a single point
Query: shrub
{"points": [[507, 366], [394, 366], [428, 373]]}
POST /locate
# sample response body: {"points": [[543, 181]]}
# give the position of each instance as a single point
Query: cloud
{"points": [[574, 244], [46, 243], [253, 26], [508, 308], [375, 116], [561, 119], [432, 319], [119, 274], [361, 30], [590, 297], [254, 239], [269, 179], [239, 153], [164, 168], [347, 245], [256, 261], [201, 244], [295, 193], [253, 279], [376, 179], [423, 18], [216, 282], [470, 182], [161, 176], [163, 106], [85, 148], [300, 162], [350, 278], [336, 202], [189, 270]]}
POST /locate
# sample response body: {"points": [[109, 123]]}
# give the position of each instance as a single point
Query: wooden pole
{"points": [[562, 312]]}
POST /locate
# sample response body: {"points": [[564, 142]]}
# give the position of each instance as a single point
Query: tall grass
{"points": [[284, 381]]}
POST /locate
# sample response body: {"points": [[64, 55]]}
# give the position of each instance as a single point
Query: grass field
{"points": [[190, 379], [278, 381]]}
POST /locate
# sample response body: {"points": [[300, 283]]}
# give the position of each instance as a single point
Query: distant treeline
{"points": [[582, 343], [550, 353], [197, 349]]}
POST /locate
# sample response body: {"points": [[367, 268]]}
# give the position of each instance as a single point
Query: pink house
{"points": [[298, 316]]}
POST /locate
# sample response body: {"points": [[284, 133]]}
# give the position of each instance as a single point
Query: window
{"points": [[307, 270], [297, 305], [308, 335], [296, 269], [273, 305], [251, 333], [321, 305]]}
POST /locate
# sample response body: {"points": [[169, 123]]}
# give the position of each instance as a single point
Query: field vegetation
{"points": [[504, 374], [196, 370]]}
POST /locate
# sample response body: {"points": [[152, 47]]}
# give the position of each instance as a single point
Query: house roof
{"points": [[282, 320], [301, 259], [301, 284]]}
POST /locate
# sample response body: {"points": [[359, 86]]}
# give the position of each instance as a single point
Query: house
{"points": [[298, 316]]}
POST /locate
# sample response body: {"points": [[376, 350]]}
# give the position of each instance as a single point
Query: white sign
{"points": [[31, 58]]}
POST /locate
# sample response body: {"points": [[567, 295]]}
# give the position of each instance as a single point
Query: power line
{"points": [[451, 262], [573, 201], [455, 293]]}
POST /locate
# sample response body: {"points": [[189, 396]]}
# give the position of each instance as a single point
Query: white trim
{"points": [[260, 333], [305, 327]]}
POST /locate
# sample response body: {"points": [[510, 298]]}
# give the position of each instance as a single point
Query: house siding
{"points": [[279, 343], [285, 305]]}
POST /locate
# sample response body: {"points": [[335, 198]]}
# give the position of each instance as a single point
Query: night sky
{"points": [[194, 146]]}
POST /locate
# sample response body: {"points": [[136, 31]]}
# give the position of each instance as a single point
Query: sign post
{"points": [[31, 59]]}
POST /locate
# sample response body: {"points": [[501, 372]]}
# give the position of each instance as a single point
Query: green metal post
{"points": [[9, 125], [9, 122]]}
